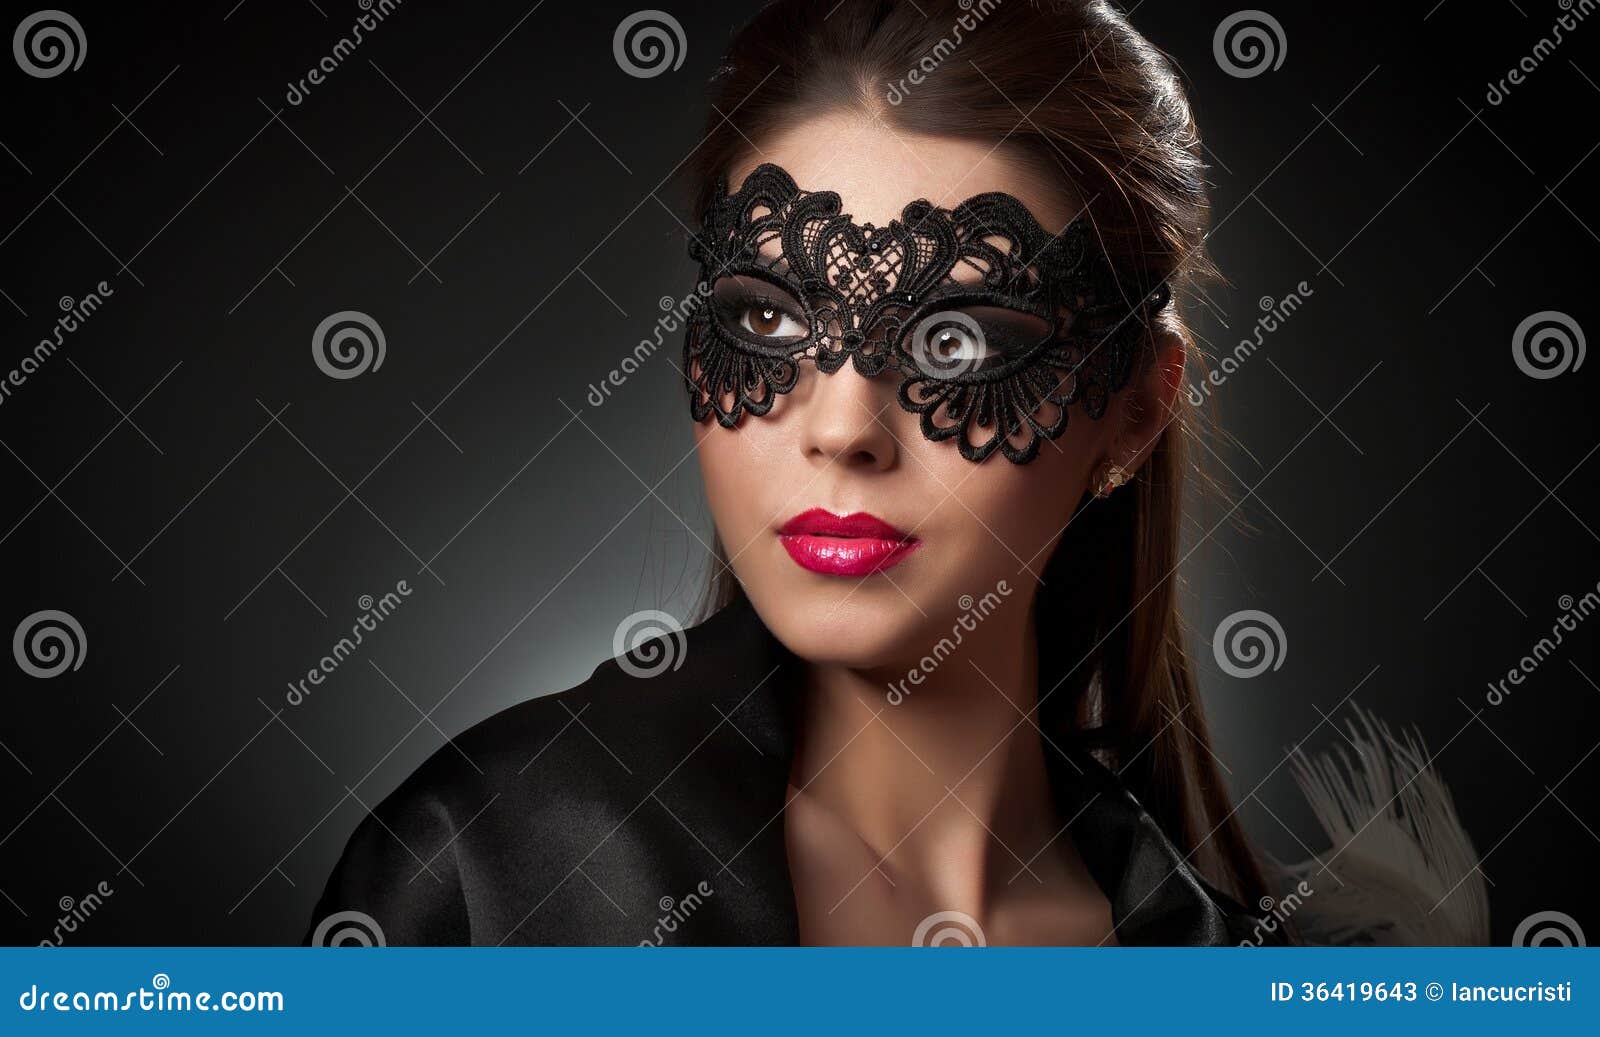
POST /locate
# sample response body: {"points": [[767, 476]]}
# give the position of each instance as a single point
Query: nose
{"points": [[845, 420]]}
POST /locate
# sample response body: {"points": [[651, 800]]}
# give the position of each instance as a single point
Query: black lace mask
{"points": [[995, 326]]}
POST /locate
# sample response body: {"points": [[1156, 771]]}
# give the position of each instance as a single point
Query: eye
{"points": [[765, 320], [951, 343], [758, 311]]}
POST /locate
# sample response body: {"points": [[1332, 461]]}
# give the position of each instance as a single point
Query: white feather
{"points": [[1400, 870]]}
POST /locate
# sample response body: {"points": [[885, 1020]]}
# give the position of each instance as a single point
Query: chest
{"points": [[846, 893]]}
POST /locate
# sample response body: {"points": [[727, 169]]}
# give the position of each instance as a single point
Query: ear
{"points": [[1149, 403]]}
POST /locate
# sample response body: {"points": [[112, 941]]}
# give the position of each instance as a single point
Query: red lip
{"points": [[844, 545]]}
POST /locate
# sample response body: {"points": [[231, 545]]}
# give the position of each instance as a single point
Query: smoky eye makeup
{"points": [[974, 338], [994, 326], [758, 311]]}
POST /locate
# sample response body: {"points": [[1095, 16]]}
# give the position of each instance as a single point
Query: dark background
{"points": [[1417, 504]]}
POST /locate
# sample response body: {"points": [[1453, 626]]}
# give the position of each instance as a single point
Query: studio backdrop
{"points": [[326, 317]]}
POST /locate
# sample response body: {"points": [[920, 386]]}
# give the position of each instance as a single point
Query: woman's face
{"points": [[840, 445]]}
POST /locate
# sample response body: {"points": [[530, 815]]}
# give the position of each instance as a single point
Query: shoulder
{"points": [[637, 702], [406, 873], [496, 818]]}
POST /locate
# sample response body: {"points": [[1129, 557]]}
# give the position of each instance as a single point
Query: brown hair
{"points": [[1092, 105]]}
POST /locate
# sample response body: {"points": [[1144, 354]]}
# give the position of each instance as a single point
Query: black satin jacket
{"points": [[631, 810]]}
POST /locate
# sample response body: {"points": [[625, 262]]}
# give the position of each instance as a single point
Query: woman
{"points": [[943, 696]]}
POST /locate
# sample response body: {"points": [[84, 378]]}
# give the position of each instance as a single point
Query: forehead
{"points": [[878, 170]]}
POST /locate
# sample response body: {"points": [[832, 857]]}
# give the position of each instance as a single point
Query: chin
{"points": [[841, 624]]}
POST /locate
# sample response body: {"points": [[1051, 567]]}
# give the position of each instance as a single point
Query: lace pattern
{"points": [[995, 326]]}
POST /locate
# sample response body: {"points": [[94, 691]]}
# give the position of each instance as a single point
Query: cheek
{"points": [[1009, 514], [717, 450], [740, 467]]}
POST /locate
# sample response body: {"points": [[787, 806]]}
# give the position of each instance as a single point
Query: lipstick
{"points": [[857, 544]]}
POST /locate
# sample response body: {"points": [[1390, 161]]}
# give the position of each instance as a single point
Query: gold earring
{"points": [[1110, 476]]}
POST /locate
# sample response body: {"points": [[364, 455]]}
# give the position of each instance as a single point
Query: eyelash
{"points": [[1003, 341], [855, 283], [745, 302], [750, 300]]}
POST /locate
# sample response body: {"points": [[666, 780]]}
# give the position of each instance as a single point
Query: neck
{"points": [[947, 770]]}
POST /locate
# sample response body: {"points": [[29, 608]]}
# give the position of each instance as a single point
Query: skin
{"points": [[942, 802]]}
